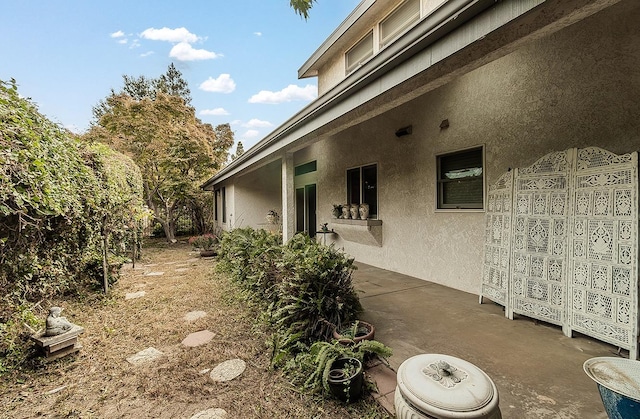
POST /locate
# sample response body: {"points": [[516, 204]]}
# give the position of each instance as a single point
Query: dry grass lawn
{"points": [[98, 382]]}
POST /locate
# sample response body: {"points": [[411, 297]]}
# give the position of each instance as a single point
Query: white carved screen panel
{"points": [[538, 268], [495, 281], [603, 267], [572, 244]]}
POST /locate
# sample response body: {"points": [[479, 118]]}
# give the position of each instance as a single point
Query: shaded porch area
{"points": [[537, 370]]}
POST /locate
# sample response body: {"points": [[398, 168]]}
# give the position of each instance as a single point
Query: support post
{"points": [[288, 198]]}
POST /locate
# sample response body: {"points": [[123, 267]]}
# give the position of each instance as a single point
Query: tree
{"points": [[302, 7], [239, 151], [173, 84], [160, 132]]}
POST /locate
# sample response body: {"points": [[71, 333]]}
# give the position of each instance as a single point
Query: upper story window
{"points": [[399, 20], [362, 187], [359, 53], [461, 180]]}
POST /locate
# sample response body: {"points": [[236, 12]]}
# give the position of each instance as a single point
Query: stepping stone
{"points": [[132, 295], [198, 338], [193, 260], [194, 315], [182, 269], [228, 370], [154, 274], [214, 413], [204, 371], [146, 355]]}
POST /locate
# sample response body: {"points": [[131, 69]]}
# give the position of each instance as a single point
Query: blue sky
{"points": [[240, 58]]}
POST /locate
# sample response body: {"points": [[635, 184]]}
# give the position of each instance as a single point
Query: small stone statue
{"points": [[57, 325]]}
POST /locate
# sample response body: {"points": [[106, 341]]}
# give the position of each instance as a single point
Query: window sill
{"points": [[367, 222], [367, 232]]}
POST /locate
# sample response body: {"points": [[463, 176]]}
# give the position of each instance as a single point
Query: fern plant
{"points": [[323, 354]]}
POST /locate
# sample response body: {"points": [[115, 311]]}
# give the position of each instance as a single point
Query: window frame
{"points": [[216, 193], [440, 182], [400, 29], [351, 68], [223, 195], [372, 215]]}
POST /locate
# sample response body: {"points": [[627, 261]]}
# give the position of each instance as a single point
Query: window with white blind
{"points": [[399, 20], [461, 180], [359, 53]]}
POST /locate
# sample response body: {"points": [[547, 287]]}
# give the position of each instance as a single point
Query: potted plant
{"points": [[355, 332], [346, 379], [338, 369], [273, 217], [207, 243]]}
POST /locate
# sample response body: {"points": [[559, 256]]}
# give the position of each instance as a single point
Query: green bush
{"points": [[59, 197], [303, 287], [316, 293]]}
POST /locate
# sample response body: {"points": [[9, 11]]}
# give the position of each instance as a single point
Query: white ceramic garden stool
{"points": [[442, 386]]}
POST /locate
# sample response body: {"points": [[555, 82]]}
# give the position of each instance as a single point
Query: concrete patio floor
{"points": [[537, 370]]}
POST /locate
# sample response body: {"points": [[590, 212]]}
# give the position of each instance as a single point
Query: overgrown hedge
{"points": [[58, 197], [303, 287]]}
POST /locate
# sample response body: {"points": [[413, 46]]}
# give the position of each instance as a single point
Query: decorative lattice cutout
{"points": [[562, 243]]}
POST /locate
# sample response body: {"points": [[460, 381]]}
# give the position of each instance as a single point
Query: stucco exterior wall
{"points": [[256, 193], [575, 88], [333, 71]]}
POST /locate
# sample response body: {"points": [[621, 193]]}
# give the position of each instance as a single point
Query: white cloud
{"points": [[134, 44], [185, 52], [123, 41], [288, 94], [216, 112], [256, 123], [223, 84], [257, 33], [146, 54], [169, 35], [252, 133], [117, 34]]}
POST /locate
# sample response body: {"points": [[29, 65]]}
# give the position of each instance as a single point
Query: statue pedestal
{"points": [[60, 345]]}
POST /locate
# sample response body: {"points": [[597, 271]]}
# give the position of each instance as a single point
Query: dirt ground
{"points": [[98, 382]]}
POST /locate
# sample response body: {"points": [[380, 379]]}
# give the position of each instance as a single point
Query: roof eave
{"points": [[309, 68]]}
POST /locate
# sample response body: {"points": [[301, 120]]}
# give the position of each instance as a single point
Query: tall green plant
{"points": [[59, 197], [305, 288], [317, 291]]}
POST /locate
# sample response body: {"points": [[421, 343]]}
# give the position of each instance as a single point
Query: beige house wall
{"points": [[333, 71], [578, 87], [253, 195]]}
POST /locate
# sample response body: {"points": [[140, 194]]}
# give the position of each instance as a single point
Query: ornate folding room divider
{"points": [[561, 244]]}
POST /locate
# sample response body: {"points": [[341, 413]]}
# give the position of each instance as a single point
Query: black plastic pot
{"points": [[346, 386]]}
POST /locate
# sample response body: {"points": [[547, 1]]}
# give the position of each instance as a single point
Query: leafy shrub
{"points": [[310, 369], [58, 198], [317, 291], [304, 287], [205, 241], [253, 259]]}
